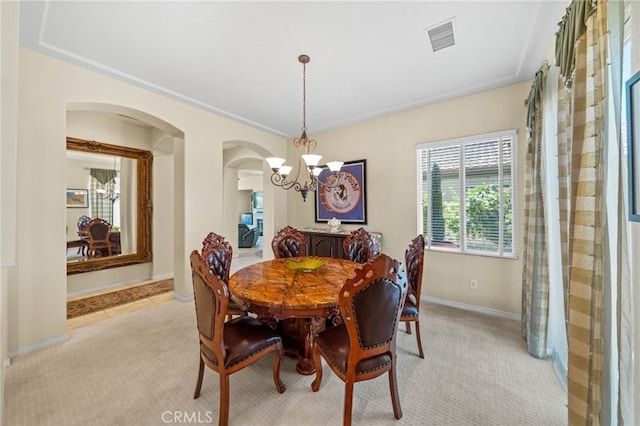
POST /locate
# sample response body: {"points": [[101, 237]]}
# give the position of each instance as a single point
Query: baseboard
{"points": [[182, 298], [162, 276], [118, 284], [39, 345], [474, 308]]}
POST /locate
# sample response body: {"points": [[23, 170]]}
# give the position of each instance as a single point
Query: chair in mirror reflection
{"points": [[289, 242], [83, 241], [414, 263], [83, 221], [363, 347], [217, 254], [227, 347], [359, 246], [99, 231]]}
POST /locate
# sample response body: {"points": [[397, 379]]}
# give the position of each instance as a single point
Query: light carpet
{"points": [[141, 369]]}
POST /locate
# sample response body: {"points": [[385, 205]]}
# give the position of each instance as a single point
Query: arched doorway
{"points": [[124, 126]]}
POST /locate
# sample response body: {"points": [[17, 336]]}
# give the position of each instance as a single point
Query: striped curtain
{"points": [[535, 272], [100, 207], [584, 162]]}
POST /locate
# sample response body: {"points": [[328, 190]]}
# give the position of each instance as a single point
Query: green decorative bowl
{"points": [[307, 264]]}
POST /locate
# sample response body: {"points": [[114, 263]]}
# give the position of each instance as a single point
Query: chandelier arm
{"points": [[282, 182]]}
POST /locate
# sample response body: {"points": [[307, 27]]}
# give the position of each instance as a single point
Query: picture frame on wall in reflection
{"points": [[77, 198], [632, 87]]}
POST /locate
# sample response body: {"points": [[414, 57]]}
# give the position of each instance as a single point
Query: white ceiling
{"points": [[239, 58]]}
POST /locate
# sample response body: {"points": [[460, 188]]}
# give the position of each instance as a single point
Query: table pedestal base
{"points": [[298, 334]]}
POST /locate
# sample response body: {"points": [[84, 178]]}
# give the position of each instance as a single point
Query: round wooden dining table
{"points": [[295, 302]]}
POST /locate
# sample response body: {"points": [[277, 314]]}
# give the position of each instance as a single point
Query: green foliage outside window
{"points": [[437, 218], [483, 214]]}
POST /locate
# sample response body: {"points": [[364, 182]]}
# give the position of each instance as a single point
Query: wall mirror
{"points": [[112, 183]]}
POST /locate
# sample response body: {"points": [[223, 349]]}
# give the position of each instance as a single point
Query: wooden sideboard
{"points": [[322, 242]]}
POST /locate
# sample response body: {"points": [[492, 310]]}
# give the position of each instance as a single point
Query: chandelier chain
{"points": [[304, 97]]}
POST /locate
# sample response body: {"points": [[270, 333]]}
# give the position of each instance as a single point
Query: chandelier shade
{"points": [[108, 182], [309, 168]]}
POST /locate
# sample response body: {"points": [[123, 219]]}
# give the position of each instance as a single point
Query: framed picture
{"points": [[343, 196], [633, 145], [78, 198]]}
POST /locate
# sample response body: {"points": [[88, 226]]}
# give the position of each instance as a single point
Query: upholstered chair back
{"points": [[359, 246], [217, 253], [289, 242]]}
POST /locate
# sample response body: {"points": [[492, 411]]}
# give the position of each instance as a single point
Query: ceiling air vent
{"points": [[441, 35]]}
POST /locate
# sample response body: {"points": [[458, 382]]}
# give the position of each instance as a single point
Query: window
{"points": [[469, 181]]}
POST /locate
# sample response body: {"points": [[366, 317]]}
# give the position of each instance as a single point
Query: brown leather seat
{"points": [[414, 261], [289, 242], [99, 231], [359, 246], [217, 253], [364, 345], [227, 347]]}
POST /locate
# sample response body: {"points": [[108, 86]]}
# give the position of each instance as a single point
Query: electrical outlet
{"points": [[474, 284]]}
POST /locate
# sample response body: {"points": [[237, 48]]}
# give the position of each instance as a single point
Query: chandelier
{"points": [[110, 190], [309, 169]]}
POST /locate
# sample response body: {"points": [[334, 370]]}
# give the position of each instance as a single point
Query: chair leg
{"points": [[280, 387], [348, 402], [196, 394], [223, 418], [393, 386], [418, 338], [315, 385], [408, 326]]}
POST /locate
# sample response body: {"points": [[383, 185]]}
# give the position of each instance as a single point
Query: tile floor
{"points": [[244, 257], [116, 311]]}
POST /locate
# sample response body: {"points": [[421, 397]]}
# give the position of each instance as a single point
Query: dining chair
{"points": [[218, 253], [414, 262], [83, 221], [359, 246], [227, 347], [99, 231], [363, 347], [289, 242]]}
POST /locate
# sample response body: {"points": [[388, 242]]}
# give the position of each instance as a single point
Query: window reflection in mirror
{"points": [[107, 183]]}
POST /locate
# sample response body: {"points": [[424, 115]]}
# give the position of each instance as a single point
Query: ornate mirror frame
{"points": [[144, 160]]}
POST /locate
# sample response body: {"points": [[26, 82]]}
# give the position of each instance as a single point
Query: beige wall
{"points": [[8, 145], [37, 286], [389, 146]]}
